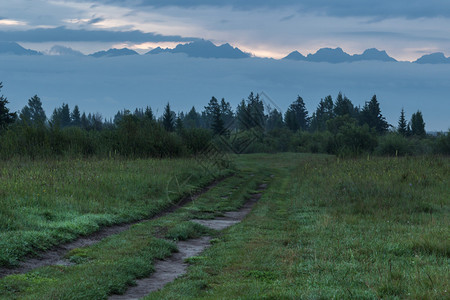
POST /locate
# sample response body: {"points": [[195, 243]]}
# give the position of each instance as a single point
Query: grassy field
{"points": [[113, 264], [44, 203], [325, 228]]}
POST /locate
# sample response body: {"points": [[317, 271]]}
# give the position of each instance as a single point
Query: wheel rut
{"points": [[55, 256], [169, 269]]}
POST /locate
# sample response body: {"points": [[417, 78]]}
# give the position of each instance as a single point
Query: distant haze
{"points": [[110, 84]]}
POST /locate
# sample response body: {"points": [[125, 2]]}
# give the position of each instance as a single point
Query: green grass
{"points": [[44, 203], [327, 229], [113, 264]]}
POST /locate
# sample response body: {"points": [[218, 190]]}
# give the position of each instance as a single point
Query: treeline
{"points": [[335, 127]]}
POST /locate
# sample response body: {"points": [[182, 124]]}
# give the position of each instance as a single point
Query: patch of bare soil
{"points": [[56, 255], [169, 269]]}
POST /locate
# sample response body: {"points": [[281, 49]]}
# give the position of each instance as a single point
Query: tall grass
{"points": [[43, 203]]}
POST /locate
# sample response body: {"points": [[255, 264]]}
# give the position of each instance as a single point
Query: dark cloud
{"points": [[95, 21], [62, 34], [381, 9], [287, 18]]}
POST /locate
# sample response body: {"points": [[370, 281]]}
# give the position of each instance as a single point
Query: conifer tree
{"points": [[402, 124], [417, 124], [75, 117], [168, 119], [6, 117]]}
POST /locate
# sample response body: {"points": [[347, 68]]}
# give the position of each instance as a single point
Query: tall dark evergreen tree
{"points": [[149, 113], [168, 121], [402, 124], [85, 121], [243, 116], [215, 115], [227, 113], [217, 125], [75, 117], [212, 108], [296, 116], [192, 119], [323, 113], [255, 108], [343, 106], [371, 115], [417, 124], [179, 126], [6, 117], [33, 113], [274, 120]]}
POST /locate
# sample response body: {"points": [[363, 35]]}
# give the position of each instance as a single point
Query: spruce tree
{"points": [[192, 119], [75, 118], [371, 115], [402, 124], [179, 126], [417, 124], [149, 113], [6, 117], [296, 116], [33, 113], [343, 106], [168, 119]]}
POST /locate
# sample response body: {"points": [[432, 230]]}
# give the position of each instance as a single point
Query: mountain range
{"points": [[206, 49], [337, 55]]}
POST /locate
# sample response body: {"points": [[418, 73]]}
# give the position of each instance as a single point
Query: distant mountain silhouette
{"points": [[61, 50], [434, 58], [329, 55], [15, 49], [373, 54], [337, 55], [204, 49], [114, 52], [295, 55]]}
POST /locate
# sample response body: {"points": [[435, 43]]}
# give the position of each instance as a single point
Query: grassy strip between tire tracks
{"points": [[114, 263]]}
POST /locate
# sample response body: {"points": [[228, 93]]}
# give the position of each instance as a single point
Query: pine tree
{"points": [[324, 112], [168, 119], [192, 119], [296, 117], [149, 113], [85, 121], [227, 113], [179, 126], [255, 108], [343, 106], [212, 108], [75, 118], [417, 124], [274, 120], [33, 113], [6, 117], [243, 116], [402, 124], [371, 115]]}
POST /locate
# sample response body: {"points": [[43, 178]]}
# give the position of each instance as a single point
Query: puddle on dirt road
{"points": [[169, 269], [166, 270], [56, 255]]}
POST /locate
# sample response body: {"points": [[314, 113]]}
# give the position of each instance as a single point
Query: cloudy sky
{"points": [[406, 29]]}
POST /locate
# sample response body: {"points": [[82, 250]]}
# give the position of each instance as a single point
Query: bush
{"points": [[394, 144]]}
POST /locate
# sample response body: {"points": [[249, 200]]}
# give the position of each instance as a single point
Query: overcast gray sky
{"points": [[406, 29]]}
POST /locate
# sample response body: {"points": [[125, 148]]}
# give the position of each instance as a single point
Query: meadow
{"points": [[369, 228], [48, 202]]}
